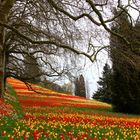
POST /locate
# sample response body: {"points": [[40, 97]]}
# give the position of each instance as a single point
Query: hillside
{"points": [[49, 115]]}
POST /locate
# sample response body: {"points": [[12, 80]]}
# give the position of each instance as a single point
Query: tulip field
{"points": [[42, 114]]}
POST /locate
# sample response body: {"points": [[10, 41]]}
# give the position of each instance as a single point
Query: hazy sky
{"points": [[93, 71]]}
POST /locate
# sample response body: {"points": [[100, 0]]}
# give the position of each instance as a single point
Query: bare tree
{"points": [[51, 25], [22, 17]]}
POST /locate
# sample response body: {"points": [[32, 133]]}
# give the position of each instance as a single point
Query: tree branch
{"points": [[103, 22], [53, 42], [75, 18]]}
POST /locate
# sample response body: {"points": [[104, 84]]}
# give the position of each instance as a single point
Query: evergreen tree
{"points": [[80, 89], [104, 91], [76, 87], [126, 70]]}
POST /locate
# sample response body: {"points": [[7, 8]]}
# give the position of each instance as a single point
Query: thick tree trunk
{"points": [[2, 56], [5, 6], [2, 73]]}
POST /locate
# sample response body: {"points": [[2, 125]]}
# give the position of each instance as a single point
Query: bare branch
{"points": [[53, 42], [71, 16]]}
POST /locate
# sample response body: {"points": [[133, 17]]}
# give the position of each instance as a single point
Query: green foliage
{"points": [[9, 122], [11, 97], [104, 92], [6, 123], [126, 68], [45, 126], [126, 91]]}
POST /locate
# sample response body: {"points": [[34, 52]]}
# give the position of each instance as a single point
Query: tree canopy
{"points": [[126, 68], [80, 89], [104, 92]]}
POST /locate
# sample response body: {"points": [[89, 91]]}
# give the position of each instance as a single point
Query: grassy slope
{"points": [[51, 115]]}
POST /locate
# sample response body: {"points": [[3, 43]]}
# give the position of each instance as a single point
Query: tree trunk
{"points": [[2, 72], [5, 6], [2, 56]]}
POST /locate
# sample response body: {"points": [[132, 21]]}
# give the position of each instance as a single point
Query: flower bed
{"points": [[55, 116]]}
